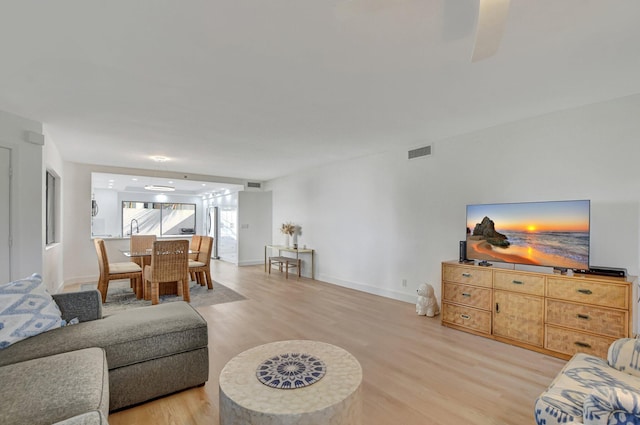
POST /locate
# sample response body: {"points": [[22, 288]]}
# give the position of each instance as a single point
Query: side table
{"points": [[333, 400], [297, 251]]}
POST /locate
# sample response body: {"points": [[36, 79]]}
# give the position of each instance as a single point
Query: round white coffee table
{"points": [[333, 400]]}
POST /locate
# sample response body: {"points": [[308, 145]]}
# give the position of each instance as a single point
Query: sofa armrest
{"points": [[624, 355], [606, 401], [85, 305]]}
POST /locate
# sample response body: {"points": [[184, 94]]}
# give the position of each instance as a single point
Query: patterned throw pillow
{"points": [[26, 309]]}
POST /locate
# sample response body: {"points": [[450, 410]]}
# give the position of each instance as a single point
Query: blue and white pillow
{"points": [[26, 309]]}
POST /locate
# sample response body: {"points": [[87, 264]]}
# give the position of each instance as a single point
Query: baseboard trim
{"points": [[76, 280], [399, 296], [251, 262]]}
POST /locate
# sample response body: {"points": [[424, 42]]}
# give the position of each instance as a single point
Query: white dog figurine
{"points": [[427, 305]]}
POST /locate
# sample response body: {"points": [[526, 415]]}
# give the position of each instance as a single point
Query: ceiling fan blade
{"points": [[492, 19]]}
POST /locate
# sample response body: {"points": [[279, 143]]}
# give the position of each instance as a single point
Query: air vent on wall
{"points": [[419, 152], [254, 184]]}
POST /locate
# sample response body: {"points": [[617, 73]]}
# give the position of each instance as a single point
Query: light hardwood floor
{"points": [[415, 370]]}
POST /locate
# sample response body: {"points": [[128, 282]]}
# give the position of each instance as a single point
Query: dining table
{"points": [[165, 288]]}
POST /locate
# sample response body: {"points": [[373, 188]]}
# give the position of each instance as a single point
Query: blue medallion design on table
{"points": [[291, 370]]}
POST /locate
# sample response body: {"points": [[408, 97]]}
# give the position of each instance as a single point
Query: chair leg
{"points": [[103, 287], [146, 290], [207, 274], [139, 290], [185, 290], [155, 293]]}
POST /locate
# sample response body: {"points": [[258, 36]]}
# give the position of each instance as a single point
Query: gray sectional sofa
{"points": [[123, 359]]}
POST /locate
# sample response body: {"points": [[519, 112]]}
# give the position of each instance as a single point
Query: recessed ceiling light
{"points": [[134, 179], [159, 158], [170, 182]]}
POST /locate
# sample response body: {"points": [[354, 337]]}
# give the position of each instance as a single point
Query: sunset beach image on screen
{"points": [[552, 233]]}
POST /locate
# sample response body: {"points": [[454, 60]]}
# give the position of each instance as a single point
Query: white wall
{"points": [[80, 263], [106, 223], [254, 222], [26, 192], [53, 253], [377, 220]]}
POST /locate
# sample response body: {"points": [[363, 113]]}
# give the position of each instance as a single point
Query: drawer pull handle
{"points": [[465, 316], [517, 282], [582, 316], [582, 344], [497, 308], [466, 274], [585, 291], [466, 294]]}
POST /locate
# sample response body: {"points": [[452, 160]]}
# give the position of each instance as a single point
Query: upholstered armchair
{"points": [[593, 391]]}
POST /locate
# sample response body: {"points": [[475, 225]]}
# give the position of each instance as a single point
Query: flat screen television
{"points": [[553, 233]]}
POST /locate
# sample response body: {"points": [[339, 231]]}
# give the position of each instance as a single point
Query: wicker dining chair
{"points": [[169, 263], [114, 271], [194, 247], [139, 244], [201, 266]]}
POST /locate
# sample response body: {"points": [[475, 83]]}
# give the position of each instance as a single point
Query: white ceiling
{"points": [[130, 183], [259, 89]]}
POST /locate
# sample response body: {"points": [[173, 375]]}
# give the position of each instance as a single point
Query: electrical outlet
{"points": [[404, 283]]}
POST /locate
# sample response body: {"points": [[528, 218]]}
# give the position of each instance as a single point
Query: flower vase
{"points": [[286, 240]]}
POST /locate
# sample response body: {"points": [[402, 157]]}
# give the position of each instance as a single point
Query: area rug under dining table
{"points": [[120, 296]]}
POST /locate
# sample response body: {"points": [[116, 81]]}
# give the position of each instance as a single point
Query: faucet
{"points": [[131, 225]]}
